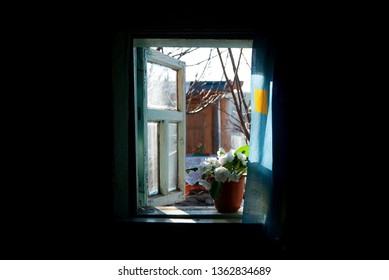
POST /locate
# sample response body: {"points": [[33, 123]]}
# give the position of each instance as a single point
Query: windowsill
{"points": [[186, 214]]}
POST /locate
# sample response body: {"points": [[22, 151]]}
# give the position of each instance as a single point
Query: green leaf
{"points": [[216, 188], [244, 150], [191, 169]]}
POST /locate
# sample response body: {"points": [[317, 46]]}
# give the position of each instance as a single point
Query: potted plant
{"points": [[224, 177]]}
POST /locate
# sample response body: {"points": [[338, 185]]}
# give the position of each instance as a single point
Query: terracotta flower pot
{"points": [[231, 196]]}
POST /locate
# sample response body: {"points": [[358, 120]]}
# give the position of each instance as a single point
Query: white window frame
{"points": [[163, 118]]}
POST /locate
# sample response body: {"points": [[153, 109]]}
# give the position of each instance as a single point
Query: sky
{"points": [[198, 67]]}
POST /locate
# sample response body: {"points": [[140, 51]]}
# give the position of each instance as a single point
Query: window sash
{"points": [[167, 193]]}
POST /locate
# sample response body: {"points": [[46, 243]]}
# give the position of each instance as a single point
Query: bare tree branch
{"points": [[236, 79], [181, 52], [239, 111]]}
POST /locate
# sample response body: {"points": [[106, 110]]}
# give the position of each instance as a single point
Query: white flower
{"points": [[204, 166], [221, 174], [242, 158], [231, 155], [220, 152], [205, 183], [234, 177], [223, 159], [213, 161], [228, 157]]}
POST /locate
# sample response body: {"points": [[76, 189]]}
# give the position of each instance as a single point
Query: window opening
{"points": [[216, 100]]}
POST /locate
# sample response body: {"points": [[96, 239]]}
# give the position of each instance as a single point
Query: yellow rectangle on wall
{"points": [[260, 99]]}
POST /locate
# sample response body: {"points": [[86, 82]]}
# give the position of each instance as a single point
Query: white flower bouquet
{"points": [[227, 166]]}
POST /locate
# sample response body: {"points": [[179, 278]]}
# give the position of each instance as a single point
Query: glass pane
{"points": [[161, 87], [173, 159], [153, 174]]}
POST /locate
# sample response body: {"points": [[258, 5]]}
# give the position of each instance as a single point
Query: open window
{"points": [[161, 101]]}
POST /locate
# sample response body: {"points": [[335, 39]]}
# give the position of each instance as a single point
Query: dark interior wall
{"points": [[60, 195]]}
